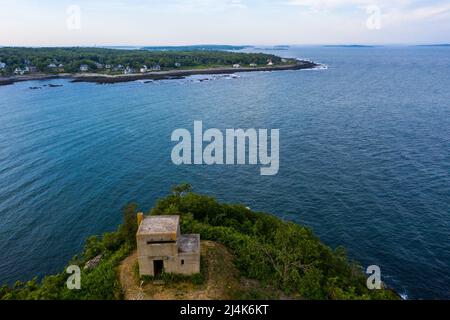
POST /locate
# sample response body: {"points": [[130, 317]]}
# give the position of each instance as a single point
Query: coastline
{"points": [[159, 75]]}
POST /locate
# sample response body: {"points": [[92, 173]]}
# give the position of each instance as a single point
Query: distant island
{"points": [[206, 47], [434, 45], [275, 48], [102, 65], [259, 257], [348, 46]]}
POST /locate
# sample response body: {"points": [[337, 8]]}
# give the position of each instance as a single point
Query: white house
{"points": [[269, 63], [177, 64], [84, 68], [19, 71], [52, 66], [129, 70], [237, 65], [98, 65], [2, 65], [144, 69], [253, 65], [156, 68]]}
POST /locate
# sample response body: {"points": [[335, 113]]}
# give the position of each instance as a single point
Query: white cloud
{"points": [[395, 11], [418, 14]]}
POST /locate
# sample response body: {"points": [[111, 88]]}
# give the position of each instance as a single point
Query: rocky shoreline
{"points": [[160, 75]]}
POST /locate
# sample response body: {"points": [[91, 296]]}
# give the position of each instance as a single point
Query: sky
{"points": [[237, 22]]}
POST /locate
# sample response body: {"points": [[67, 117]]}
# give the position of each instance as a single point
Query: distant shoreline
{"points": [[159, 75]]}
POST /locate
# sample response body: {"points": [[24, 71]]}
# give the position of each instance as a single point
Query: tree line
{"points": [[69, 60]]}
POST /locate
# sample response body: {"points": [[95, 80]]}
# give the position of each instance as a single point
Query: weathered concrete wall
{"points": [[191, 263], [146, 266], [155, 249], [186, 263]]}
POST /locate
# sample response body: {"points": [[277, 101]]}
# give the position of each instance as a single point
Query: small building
{"points": [[98, 65], [253, 65], [129, 70], [2, 65], [236, 65], [269, 63], [52, 66], [119, 67], [161, 248], [21, 71], [144, 69], [156, 68], [177, 64], [84, 68]]}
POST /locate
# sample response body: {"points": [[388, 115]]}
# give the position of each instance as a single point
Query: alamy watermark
{"points": [[373, 22], [74, 280], [374, 280], [236, 147], [73, 21]]}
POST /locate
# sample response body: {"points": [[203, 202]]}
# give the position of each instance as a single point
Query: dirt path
{"points": [[130, 285]]}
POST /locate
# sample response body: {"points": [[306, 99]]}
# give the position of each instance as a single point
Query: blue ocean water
{"points": [[364, 158]]}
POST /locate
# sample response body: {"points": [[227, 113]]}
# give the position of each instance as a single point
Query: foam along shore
{"points": [[157, 75]]}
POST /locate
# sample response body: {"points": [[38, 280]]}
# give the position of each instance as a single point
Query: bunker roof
{"points": [[189, 243], [154, 225]]}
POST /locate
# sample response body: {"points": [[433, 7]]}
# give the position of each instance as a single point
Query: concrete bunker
{"points": [[162, 248]]}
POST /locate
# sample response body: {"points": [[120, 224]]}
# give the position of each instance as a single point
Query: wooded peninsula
{"points": [[103, 65]]}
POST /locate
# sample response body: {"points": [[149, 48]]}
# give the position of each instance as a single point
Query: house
{"points": [[33, 69], [129, 70], [253, 65], [119, 67], [2, 65], [177, 64], [144, 69], [21, 71], [107, 66], [60, 66], [269, 63], [98, 65], [52, 66], [236, 65], [156, 68], [84, 68], [161, 248]]}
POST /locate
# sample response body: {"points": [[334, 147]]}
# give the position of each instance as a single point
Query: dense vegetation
{"points": [[277, 253], [69, 60]]}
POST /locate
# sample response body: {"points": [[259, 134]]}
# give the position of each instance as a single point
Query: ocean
{"points": [[364, 158]]}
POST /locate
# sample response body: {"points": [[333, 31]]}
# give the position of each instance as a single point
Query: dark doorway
{"points": [[158, 267]]}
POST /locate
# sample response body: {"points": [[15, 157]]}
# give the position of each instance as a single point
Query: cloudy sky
{"points": [[258, 22]]}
